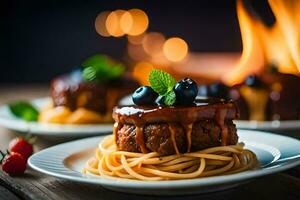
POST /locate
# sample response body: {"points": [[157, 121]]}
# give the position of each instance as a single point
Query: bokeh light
{"points": [[100, 24], [141, 72], [134, 22], [136, 52], [126, 22], [175, 49], [160, 59], [113, 25], [136, 39], [153, 43], [117, 23]]}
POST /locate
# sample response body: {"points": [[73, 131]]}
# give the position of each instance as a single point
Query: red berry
{"points": [[14, 164], [21, 146]]}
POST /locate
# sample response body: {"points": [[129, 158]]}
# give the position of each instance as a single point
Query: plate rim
{"points": [[207, 181], [268, 125], [44, 129]]}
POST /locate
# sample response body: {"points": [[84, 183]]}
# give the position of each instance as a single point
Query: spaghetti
{"points": [[108, 161]]}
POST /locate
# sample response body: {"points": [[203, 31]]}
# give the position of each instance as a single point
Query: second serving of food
{"points": [[170, 134], [88, 95]]}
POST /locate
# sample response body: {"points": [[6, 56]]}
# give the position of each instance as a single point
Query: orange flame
{"points": [[264, 45], [287, 24], [252, 59]]}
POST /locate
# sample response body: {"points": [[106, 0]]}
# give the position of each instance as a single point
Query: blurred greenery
{"points": [[101, 68], [24, 110]]}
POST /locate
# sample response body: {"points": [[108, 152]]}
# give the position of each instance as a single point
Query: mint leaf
{"points": [[89, 74], [101, 68], [170, 98], [24, 110], [161, 82]]}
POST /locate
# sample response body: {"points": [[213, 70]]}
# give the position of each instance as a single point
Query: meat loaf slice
{"points": [[157, 137]]}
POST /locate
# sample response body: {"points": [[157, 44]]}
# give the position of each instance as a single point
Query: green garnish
{"points": [[170, 98], [163, 83], [24, 110], [100, 68]]}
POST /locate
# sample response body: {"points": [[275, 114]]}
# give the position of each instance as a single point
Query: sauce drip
{"points": [[173, 137], [116, 127], [140, 139], [188, 131], [220, 119]]}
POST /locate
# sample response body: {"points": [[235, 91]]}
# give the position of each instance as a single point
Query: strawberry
{"points": [[21, 146], [13, 163]]}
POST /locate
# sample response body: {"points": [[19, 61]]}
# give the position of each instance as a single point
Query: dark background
{"points": [[41, 39]]}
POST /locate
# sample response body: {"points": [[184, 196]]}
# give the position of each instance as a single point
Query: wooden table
{"points": [[34, 185]]}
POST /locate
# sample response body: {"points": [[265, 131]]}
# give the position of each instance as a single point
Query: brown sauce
{"points": [[188, 131], [140, 116], [220, 119], [173, 137], [140, 139], [115, 130]]}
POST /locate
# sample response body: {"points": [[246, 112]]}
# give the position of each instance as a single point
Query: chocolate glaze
{"points": [[140, 115], [203, 109], [73, 92]]}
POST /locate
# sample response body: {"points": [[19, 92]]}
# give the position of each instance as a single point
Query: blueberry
{"points": [[218, 90], [186, 91], [203, 90], [253, 81], [144, 95], [160, 101]]}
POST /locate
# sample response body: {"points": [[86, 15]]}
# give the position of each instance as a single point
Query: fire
{"points": [[288, 22], [263, 46], [252, 59]]}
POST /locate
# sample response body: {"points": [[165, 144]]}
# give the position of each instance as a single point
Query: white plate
{"points": [[269, 125], [9, 121], [275, 153]]}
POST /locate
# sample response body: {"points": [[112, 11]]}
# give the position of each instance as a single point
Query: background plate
{"points": [[269, 125], [9, 121]]}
